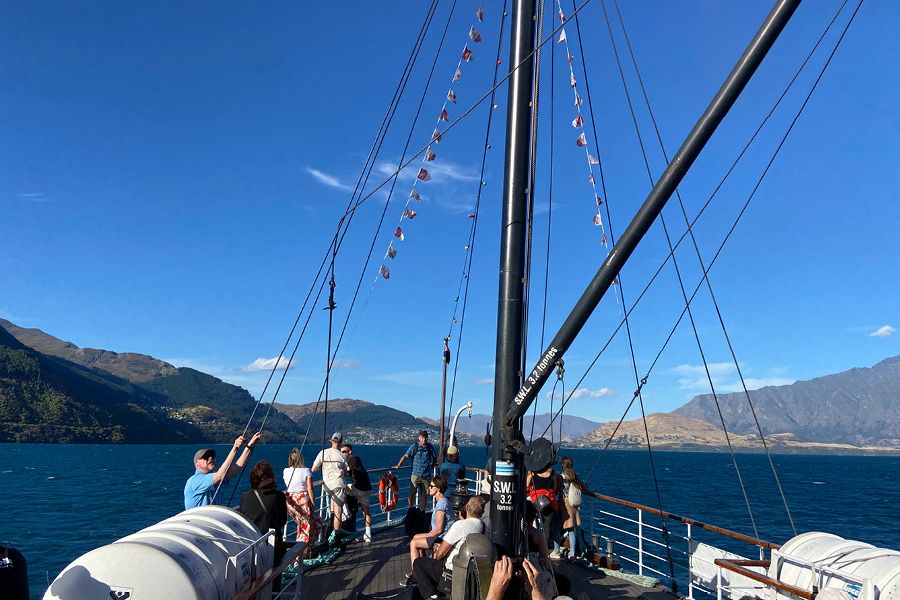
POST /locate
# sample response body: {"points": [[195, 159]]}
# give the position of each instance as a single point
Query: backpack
{"points": [[573, 494]]}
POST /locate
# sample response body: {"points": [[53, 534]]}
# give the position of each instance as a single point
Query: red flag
{"points": [[436, 136], [384, 272], [415, 195], [457, 76], [451, 96], [562, 16], [392, 252], [467, 54], [409, 213], [581, 142], [471, 215], [474, 35], [578, 121], [479, 14], [429, 155], [399, 234], [423, 175], [445, 116]]}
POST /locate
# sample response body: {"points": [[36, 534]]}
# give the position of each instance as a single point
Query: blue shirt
{"points": [[198, 491], [451, 471], [423, 458], [442, 505]]}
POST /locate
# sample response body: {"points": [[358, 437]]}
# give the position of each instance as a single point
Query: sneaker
{"points": [[367, 538], [409, 580], [555, 555]]}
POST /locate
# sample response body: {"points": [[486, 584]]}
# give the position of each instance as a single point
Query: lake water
{"points": [[60, 501]]}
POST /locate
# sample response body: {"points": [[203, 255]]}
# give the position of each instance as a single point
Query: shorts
{"points": [[337, 490], [362, 495]]}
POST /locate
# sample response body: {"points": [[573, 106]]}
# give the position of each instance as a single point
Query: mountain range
{"points": [[53, 391]]}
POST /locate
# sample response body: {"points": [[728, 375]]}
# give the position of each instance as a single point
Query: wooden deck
{"points": [[377, 568]]}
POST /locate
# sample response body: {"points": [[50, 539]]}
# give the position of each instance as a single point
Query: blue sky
{"points": [[171, 174]]}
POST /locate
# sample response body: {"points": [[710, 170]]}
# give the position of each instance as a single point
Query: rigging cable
{"points": [[344, 223], [467, 266], [697, 249], [736, 221], [333, 356]]}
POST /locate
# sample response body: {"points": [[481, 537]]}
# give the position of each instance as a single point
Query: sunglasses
{"points": [[431, 485]]}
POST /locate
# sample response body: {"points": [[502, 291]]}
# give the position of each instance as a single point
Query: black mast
{"points": [[506, 463], [653, 205]]}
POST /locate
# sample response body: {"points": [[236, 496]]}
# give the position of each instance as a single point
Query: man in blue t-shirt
{"points": [[199, 489], [423, 459]]}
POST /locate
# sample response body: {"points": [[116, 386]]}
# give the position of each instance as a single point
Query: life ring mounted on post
{"points": [[388, 491]]}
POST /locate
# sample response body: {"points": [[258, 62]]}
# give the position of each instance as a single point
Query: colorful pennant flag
{"points": [[423, 175], [562, 37], [399, 234], [415, 195], [451, 96], [599, 201], [409, 213], [592, 160], [577, 121], [597, 220], [384, 272], [445, 116], [471, 215], [591, 178], [392, 252], [474, 35], [436, 136], [457, 76], [562, 16], [603, 240], [467, 54], [571, 58], [429, 155], [479, 14], [581, 142], [572, 79]]}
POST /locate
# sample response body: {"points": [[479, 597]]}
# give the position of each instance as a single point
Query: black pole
{"points": [[653, 205], [506, 463]]}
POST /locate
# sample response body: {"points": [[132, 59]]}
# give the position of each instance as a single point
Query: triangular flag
{"points": [[603, 240], [467, 54], [445, 116], [577, 96], [581, 142], [457, 76], [399, 234], [384, 272], [599, 201], [471, 215], [592, 160], [429, 155], [562, 37], [572, 79], [409, 213], [597, 220], [415, 195], [474, 35], [571, 58], [591, 178], [562, 16], [423, 175], [451, 96], [392, 252], [578, 121], [479, 14], [436, 136]]}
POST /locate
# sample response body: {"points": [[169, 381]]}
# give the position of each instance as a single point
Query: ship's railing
{"points": [[634, 534]]}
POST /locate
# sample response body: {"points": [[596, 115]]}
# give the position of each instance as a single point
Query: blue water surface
{"points": [[60, 501]]}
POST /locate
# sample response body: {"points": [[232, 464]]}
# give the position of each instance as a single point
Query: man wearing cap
{"points": [[423, 459], [334, 475], [199, 489]]}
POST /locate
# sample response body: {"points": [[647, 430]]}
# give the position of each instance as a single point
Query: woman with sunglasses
{"points": [[441, 518]]}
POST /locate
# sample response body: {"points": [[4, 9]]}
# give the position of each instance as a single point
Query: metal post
{"points": [[690, 595], [640, 542], [654, 203], [509, 478]]}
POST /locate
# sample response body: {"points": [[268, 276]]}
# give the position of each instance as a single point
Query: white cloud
{"points": [[346, 363], [329, 180], [266, 364], [484, 381], [586, 393], [692, 377], [36, 197], [883, 331]]}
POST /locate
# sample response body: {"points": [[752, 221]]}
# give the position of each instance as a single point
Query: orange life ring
{"points": [[388, 491]]}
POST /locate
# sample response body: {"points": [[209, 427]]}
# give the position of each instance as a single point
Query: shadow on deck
{"points": [[377, 568]]}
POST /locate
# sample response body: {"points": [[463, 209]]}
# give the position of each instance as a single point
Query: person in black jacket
{"points": [[360, 487], [266, 507]]}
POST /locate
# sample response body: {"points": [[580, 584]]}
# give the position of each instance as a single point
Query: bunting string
{"points": [[423, 176]]}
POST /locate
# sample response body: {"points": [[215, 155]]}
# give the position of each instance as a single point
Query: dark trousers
{"points": [[420, 483], [428, 572]]}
